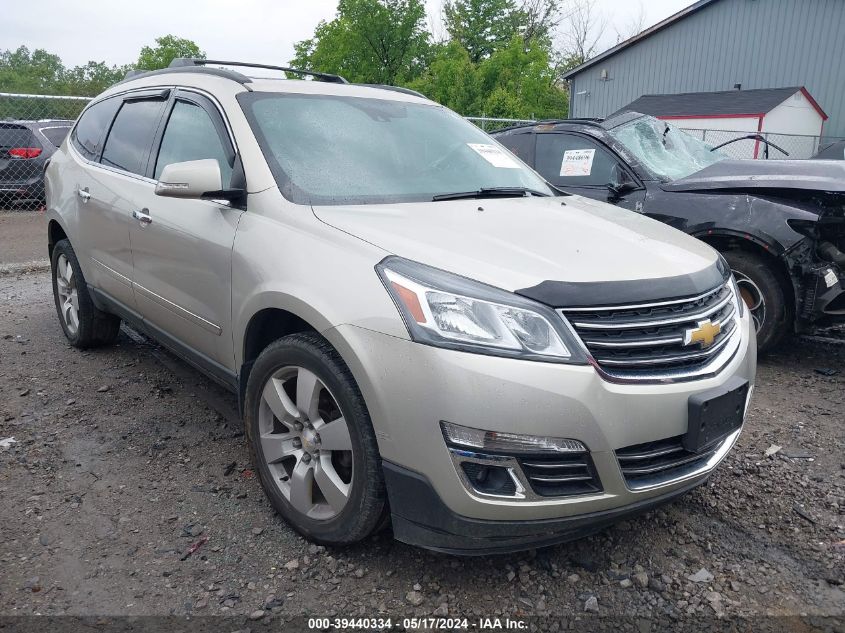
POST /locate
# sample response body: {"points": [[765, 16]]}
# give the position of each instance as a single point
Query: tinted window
{"points": [[568, 159], [15, 136], [191, 135], [90, 131], [131, 136], [55, 134], [521, 144]]}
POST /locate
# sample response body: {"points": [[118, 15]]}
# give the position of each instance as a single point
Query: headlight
{"points": [[447, 310]]}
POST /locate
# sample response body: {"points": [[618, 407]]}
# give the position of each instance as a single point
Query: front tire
{"points": [[764, 296], [312, 441], [83, 323]]}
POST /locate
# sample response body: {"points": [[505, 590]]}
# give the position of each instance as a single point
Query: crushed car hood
{"points": [[515, 243], [813, 175]]}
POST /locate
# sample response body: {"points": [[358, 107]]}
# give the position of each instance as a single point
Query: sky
{"points": [[249, 30]]}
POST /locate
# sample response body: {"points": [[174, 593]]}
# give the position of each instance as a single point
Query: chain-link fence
{"points": [[31, 128], [781, 146]]}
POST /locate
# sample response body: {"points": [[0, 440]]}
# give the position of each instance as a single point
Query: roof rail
{"points": [[181, 62], [217, 72], [406, 91]]}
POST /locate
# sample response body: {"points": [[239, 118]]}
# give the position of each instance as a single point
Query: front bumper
{"points": [[410, 388], [421, 518]]}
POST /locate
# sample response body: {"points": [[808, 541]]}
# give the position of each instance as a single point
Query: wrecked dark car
{"points": [[780, 224]]}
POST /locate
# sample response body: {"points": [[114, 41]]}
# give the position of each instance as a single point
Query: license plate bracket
{"points": [[715, 414]]}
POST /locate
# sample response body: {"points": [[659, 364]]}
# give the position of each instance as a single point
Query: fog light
{"points": [[490, 480], [507, 442]]}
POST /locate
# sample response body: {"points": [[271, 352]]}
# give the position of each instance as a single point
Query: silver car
{"points": [[417, 329]]}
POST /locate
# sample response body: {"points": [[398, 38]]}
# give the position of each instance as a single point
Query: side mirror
{"points": [[198, 179], [620, 183]]}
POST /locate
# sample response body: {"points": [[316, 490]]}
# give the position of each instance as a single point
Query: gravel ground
{"points": [[128, 491], [23, 237]]}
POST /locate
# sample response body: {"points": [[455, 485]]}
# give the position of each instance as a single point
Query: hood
{"points": [[813, 175], [514, 243]]}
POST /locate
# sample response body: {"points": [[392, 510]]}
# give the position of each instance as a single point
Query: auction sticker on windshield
{"points": [[577, 162], [494, 155]]}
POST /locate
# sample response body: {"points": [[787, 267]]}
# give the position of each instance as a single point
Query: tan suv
{"points": [[415, 327]]}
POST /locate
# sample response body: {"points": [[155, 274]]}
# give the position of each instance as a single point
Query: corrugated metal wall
{"points": [[758, 43]]}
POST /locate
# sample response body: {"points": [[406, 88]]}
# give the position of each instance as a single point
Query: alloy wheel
{"points": [[753, 297], [305, 443], [68, 295]]}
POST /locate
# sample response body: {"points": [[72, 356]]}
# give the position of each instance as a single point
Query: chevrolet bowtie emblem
{"points": [[704, 334]]}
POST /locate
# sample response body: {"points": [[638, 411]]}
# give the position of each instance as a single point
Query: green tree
{"points": [[369, 41], [166, 49], [36, 72], [90, 79], [482, 26], [516, 81]]}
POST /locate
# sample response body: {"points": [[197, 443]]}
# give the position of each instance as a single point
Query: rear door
{"points": [[582, 165], [108, 185], [183, 254]]}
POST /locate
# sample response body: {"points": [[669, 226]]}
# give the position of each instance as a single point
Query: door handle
{"points": [[143, 216], [84, 194]]}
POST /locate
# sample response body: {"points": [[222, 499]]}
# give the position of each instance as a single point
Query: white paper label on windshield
{"points": [[494, 155], [830, 278], [577, 162]]}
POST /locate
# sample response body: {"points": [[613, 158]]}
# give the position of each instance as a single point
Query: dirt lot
{"points": [[124, 457], [23, 237]]}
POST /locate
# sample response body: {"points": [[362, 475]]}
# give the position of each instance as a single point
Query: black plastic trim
{"points": [[217, 72], [583, 294], [421, 518], [198, 360], [188, 62]]}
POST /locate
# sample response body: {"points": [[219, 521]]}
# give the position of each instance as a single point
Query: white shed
{"points": [[788, 117]]}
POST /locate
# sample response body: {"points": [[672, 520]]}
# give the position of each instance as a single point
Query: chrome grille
{"points": [[658, 462], [561, 475], [648, 340]]}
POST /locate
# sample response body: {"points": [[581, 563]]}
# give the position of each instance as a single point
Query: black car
{"points": [[780, 224], [25, 147], [832, 151]]}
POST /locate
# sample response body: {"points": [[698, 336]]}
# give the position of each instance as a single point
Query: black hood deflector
{"points": [[810, 175], [584, 294]]}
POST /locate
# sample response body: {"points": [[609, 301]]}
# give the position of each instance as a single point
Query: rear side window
{"points": [[55, 134], [570, 159], [90, 131], [131, 136], [191, 135], [13, 136]]}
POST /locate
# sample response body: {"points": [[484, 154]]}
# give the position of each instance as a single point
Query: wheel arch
{"points": [[55, 233], [729, 241]]}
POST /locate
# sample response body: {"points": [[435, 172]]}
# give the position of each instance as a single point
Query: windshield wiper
{"points": [[490, 192], [754, 137]]}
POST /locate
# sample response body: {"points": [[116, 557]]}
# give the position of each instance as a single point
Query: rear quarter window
{"points": [[15, 136], [90, 131], [56, 135]]}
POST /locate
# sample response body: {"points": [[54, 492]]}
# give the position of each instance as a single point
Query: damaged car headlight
{"points": [[446, 310]]}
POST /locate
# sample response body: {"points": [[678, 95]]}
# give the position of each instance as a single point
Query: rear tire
{"points": [[327, 485], [764, 296], [83, 323]]}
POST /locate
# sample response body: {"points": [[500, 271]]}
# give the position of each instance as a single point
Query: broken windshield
{"points": [[667, 151]]}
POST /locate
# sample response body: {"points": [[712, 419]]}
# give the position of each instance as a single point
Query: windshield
{"points": [[326, 149], [667, 151]]}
